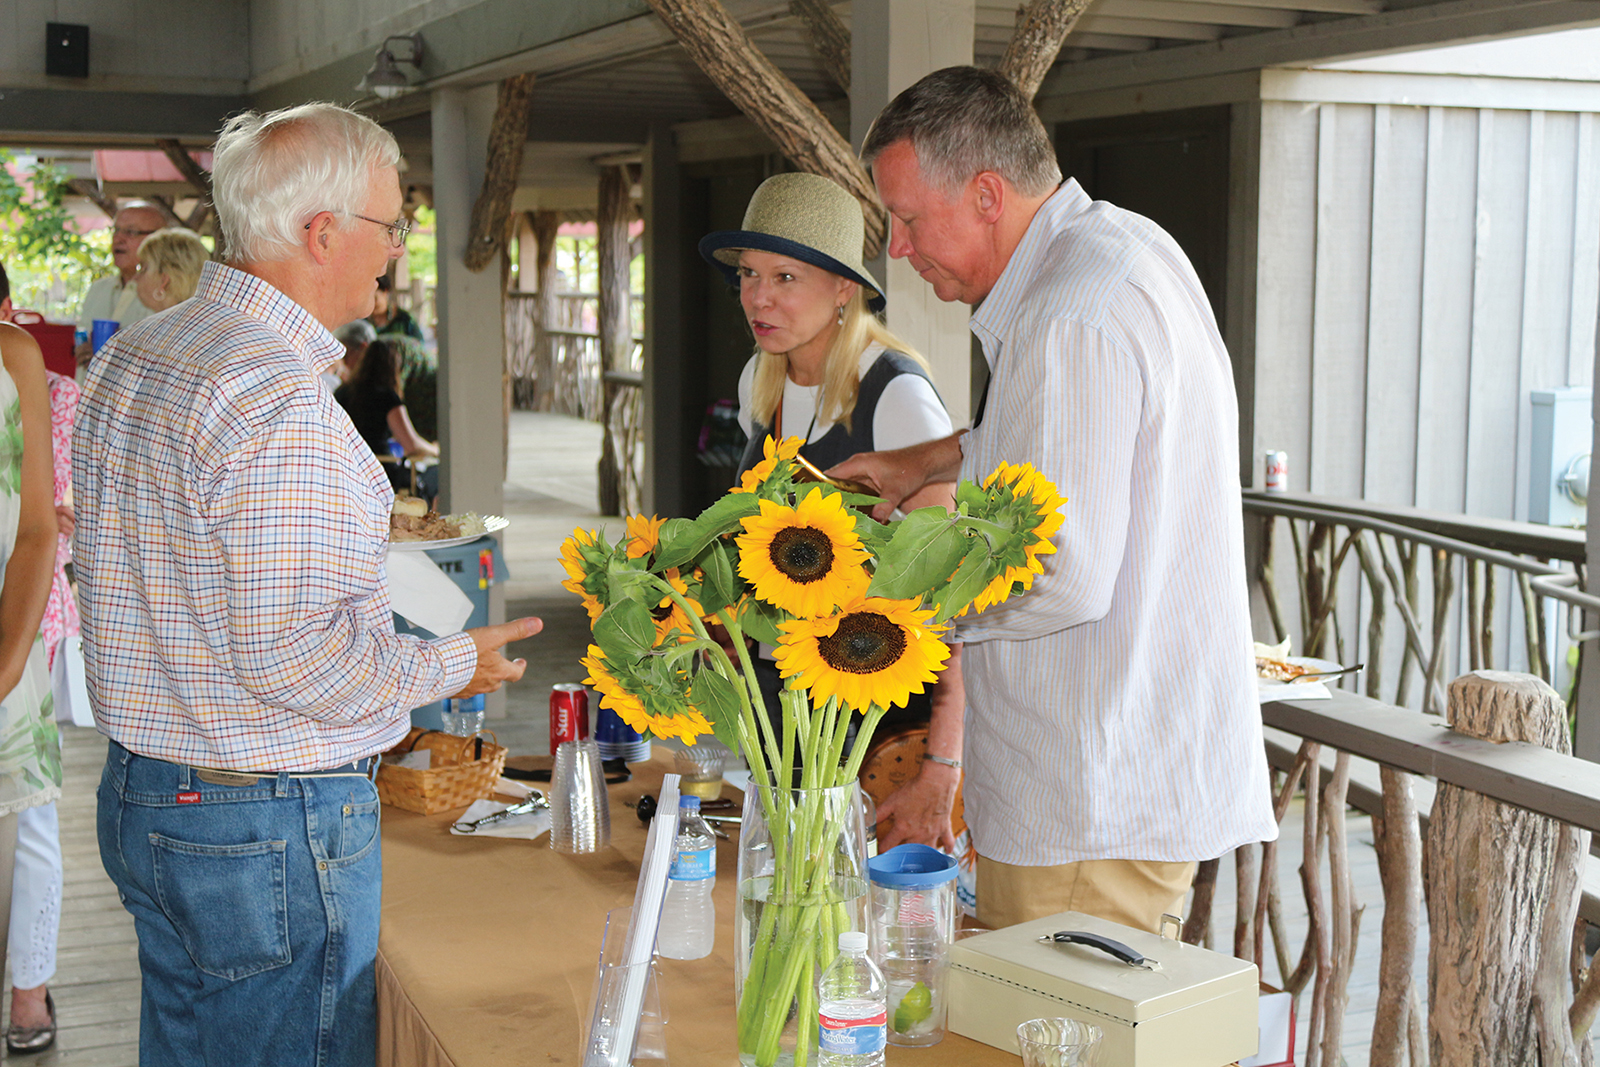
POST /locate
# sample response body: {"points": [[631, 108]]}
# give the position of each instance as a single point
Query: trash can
{"points": [[474, 567]]}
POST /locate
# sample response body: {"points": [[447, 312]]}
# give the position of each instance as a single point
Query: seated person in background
{"points": [[373, 400], [355, 336], [169, 267], [388, 317]]}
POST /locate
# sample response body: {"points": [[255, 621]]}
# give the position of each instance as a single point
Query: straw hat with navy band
{"points": [[805, 216]]}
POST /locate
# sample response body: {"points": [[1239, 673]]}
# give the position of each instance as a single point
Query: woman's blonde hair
{"points": [[841, 372], [178, 254]]}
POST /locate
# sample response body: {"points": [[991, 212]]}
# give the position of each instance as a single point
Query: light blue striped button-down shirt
{"points": [[1112, 712]]}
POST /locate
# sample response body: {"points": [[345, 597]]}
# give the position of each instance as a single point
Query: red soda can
{"points": [[1277, 472], [569, 714]]}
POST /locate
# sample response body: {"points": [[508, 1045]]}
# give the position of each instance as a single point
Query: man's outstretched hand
{"points": [[493, 669], [899, 473]]}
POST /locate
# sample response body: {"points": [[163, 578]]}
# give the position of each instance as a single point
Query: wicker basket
{"points": [[453, 781]]}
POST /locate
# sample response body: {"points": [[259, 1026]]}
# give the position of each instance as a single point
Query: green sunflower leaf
{"points": [[625, 631], [976, 571], [689, 540], [720, 587], [718, 701], [760, 620], [925, 550]]}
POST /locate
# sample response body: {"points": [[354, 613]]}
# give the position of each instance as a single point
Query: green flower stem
{"points": [[736, 632], [869, 723], [972, 522]]}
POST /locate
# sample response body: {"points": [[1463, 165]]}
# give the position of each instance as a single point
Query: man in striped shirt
{"points": [[1113, 735], [241, 653]]}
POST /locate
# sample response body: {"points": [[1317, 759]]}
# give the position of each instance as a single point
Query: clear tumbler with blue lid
{"points": [[913, 924]]}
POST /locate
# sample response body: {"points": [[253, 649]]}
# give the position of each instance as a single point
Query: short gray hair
{"points": [[962, 121], [354, 334], [271, 173]]}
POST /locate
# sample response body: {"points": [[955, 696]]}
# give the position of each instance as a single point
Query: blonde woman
{"points": [[169, 267], [826, 368]]}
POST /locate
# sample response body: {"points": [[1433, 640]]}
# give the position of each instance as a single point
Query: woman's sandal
{"points": [[33, 1038]]}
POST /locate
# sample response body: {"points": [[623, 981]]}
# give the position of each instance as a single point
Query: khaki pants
{"points": [[1134, 893]]}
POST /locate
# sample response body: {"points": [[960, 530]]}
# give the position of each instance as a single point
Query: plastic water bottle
{"points": [[689, 915], [463, 716], [852, 1008]]}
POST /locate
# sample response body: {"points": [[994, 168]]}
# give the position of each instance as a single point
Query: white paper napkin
{"points": [[424, 595], [530, 826], [1298, 691]]}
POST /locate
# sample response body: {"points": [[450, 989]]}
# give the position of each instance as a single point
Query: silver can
{"points": [[1277, 472]]}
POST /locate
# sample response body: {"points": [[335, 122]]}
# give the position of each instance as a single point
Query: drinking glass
{"points": [[580, 811], [1058, 1043]]}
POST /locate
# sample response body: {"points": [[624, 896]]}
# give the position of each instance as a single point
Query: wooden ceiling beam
{"points": [[828, 35], [1041, 27], [722, 49], [508, 133]]}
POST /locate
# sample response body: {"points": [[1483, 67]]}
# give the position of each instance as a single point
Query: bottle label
{"points": [[852, 1037], [694, 866]]}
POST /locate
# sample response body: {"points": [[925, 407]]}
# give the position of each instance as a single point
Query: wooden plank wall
{"points": [[1421, 270]]}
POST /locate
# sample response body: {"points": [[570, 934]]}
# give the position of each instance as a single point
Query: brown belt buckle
{"points": [[227, 777]]}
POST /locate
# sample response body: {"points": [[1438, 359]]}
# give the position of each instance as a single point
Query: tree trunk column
{"points": [[1492, 876], [616, 320]]}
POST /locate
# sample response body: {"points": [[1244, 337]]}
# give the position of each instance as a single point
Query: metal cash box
{"points": [[1196, 1008]]}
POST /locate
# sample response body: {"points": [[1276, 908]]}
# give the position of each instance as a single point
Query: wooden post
{"points": [[491, 214], [720, 48], [828, 36], [86, 188], [545, 225], [616, 319], [1041, 27], [1492, 872], [197, 178]]}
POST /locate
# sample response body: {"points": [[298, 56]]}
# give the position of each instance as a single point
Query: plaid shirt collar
{"points": [[261, 300]]}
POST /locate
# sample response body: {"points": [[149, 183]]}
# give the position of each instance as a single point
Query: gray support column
{"points": [[892, 44], [666, 447], [1586, 742], [471, 338]]}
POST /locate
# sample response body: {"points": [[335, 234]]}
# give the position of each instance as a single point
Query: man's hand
{"points": [[493, 669], [83, 351], [66, 520], [897, 474], [921, 810]]}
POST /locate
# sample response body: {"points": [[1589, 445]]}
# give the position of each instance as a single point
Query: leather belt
{"points": [[361, 768]]}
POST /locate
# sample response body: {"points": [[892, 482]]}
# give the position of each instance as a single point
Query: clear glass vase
{"points": [[802, 881]]}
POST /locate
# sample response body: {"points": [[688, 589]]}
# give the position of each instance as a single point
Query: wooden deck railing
{"points": [[1514, 908]]}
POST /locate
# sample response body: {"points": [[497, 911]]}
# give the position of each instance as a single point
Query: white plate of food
{"points": [[420, 533], [1292, 670]]}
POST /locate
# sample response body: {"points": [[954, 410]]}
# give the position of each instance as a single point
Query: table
{"points": [[489, 947]]}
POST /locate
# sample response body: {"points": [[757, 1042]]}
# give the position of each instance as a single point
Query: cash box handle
{"points": [[1107, 945]]}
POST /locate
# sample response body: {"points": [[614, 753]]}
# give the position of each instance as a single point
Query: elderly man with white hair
{"points": [[241, 653], [116, 296]]}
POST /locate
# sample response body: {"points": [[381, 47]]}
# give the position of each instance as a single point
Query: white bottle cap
{"points": [[852, 941]]}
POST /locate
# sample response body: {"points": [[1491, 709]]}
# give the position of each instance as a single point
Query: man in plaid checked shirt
{"points": [[241, 652]]}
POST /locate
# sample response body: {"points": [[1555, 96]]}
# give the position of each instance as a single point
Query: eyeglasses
{"points": [[129, 231], [399, 229]]}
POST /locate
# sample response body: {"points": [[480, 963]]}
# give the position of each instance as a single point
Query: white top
{"points": [[909, 412], [108, 298], [1112, 712]]}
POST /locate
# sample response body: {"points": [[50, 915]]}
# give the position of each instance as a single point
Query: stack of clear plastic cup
{"points": [[580, 812], [913, 923]]}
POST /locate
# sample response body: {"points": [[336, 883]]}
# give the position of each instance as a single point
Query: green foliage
{"points": [[422, 258], [49, 262]]}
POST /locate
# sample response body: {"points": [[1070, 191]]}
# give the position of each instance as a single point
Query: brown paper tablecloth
{"points": [[489, 948]]}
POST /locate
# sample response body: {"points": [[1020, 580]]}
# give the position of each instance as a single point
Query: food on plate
{"points": [[411, 520], [1272, 662], [406, 504]]}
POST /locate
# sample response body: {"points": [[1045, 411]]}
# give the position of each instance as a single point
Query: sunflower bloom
{"points": [[1024, 492], [665, 715], [875, 651], [643, 535], [776, 453], [669, 614], [579, 579], [806, 559]]}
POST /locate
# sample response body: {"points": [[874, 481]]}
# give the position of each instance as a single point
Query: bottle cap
{"points": [[687, 801], [852, 941]]}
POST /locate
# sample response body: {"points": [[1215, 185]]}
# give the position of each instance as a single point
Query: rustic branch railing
{"points": [[1385, 760]]}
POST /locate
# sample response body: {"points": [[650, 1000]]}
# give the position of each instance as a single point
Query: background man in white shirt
{"points": [[1113, 735], [115, 297]]}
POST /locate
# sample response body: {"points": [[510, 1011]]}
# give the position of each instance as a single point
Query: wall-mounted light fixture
{"points": [[386, 78]]}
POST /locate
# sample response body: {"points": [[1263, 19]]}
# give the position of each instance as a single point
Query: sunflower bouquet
{"points": [[855, 611]]}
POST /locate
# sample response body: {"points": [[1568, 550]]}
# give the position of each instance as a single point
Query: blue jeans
{"points": [[256, 908]]}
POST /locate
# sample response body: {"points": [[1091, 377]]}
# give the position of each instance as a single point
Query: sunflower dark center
{"points": [[802, 554], [864, 643]]}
